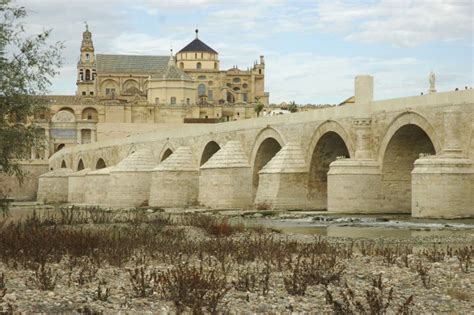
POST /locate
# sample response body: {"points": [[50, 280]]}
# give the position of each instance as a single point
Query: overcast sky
{"points": [[313, 49]]}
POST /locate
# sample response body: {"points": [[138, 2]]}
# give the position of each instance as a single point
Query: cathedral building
{"points": [[186, 87]]}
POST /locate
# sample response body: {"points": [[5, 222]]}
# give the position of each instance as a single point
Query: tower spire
{"points": [[87, 44], [171, 60]]}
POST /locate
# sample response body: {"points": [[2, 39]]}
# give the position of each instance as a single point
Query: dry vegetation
{"points": [[194, 261]]}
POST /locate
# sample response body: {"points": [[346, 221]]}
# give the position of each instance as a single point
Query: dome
{"points": [[197, 46]]}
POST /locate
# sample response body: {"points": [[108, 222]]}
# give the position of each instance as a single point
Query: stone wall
{"points": [[27, 191]]}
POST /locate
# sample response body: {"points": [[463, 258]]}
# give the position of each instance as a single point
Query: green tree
{"points": [[27, 65], [293, 108], [258, 107]]}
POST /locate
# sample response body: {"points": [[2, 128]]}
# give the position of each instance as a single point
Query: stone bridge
{"points": [[405, 155]]}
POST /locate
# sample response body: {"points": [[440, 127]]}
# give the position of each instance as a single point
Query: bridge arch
{"points": [[167, 150], [329, 141], [100, 164], [321, 130], [208, 151], [80, 165], [407, 137], [267, 143], [408, 118]]}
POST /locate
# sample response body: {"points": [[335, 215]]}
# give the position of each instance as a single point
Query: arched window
{"points": [[230, 98], [201, 89], [131, 87], [173, 100], [88, 74], [90, 113], [81, 76], [198, 65], [87, 56], [215, 65], [63, 164], [259, 71], [181, 65]]}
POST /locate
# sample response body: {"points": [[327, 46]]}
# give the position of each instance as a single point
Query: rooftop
{"points": [[142, 64], [197, 46]]}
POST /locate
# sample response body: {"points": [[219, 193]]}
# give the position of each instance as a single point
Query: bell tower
{"points": [[86, 71]]}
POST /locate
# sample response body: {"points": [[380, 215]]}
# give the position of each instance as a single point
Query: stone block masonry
{"points": [[361, 157]]}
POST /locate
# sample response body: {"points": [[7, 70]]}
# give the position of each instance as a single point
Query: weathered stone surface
{"points": [[354, 186], [77, 186], [283, 181], [129, 181], [230, 156], [95, 193], [28, 189], [443, 188], [225, 180], [53, 186], [175, 181]]}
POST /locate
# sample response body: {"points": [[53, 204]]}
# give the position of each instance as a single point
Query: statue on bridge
{"points": [[432, 79]]}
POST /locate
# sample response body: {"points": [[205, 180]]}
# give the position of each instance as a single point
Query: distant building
{"points": [[186, 87]]}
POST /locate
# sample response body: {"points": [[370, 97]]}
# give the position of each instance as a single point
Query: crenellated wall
{"points": [[354, 158]]}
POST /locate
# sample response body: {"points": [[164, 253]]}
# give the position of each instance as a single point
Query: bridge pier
{"points": [[175, 181], [354, 184], [95, 194], [77, 186], [283, 180], [225, 180], [443, 186], [129, 181]]}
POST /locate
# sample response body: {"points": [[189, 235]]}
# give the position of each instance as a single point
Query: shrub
{"points": [[376, 300], [464, 257], [295, 278], [212, 225], [193, 287], [102, 294], [44, 278], [423, 273], [143, 281], [3, 288]]}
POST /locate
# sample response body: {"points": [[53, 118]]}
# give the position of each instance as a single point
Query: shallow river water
{"points": [[365, 226]]}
